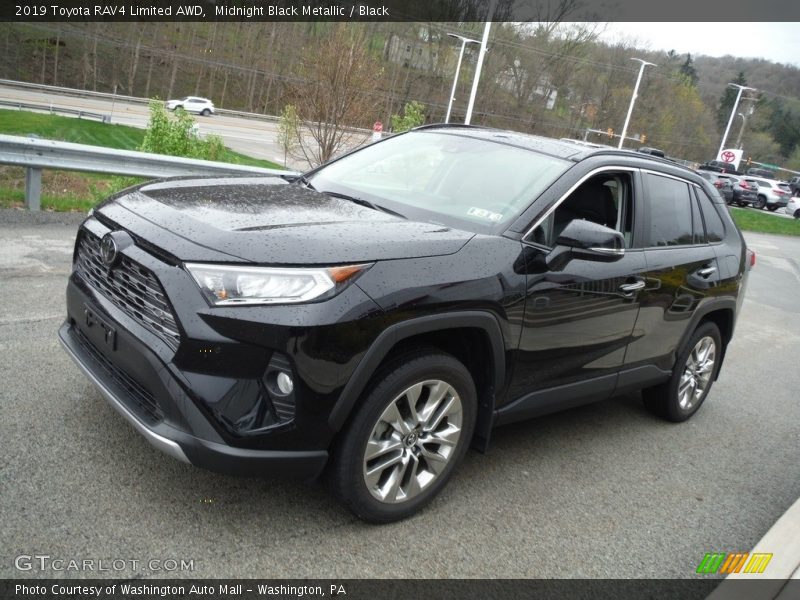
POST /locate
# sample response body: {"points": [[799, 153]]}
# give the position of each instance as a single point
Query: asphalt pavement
{"points": [[603, 491]]}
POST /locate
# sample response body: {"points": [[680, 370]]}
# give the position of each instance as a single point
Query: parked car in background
{"points": [[719, 167], [772, 194], [793, 207], [757, 172], [193, 104], [722, 182], [794, 185], [744, 191]]}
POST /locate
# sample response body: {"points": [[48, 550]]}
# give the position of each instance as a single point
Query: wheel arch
{"points": [[722, 313], [486, 363]]}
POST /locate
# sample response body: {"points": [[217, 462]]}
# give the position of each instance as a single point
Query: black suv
{"points": [[378, 315]]}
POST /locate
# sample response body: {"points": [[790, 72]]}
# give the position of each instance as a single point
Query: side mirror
{"points": [[586, 240]]}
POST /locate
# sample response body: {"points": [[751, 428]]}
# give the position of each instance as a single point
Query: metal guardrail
{"points": [[55, 109], [37, 154]]}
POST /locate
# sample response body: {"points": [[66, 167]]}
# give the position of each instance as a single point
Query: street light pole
{"points": [[464, 42], [733, 113], [476, 78], [644, 63]]}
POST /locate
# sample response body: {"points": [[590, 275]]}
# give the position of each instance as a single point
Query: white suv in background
{"points": [[193, 104], [772, 194]]}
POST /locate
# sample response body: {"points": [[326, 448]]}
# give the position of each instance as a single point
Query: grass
{"points": [[749, 219], [71, 191]]}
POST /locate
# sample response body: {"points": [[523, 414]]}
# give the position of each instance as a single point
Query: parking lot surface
{"points": [[604, 490]]}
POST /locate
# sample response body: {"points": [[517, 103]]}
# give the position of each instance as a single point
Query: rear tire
{"points": [[772, 208], [797, 214], [695, 369], [405, 440]]}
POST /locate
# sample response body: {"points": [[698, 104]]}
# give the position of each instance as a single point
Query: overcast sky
{"points": [[778, 42]]}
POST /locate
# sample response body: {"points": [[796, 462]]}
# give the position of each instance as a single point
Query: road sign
{"points": [[731, 156], [377, 128]]}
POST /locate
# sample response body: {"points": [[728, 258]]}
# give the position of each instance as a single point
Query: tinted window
{"points": [[670, 212], [715, 230]]}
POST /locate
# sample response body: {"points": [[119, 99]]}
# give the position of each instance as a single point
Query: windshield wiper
{"points": [[304, 180], [366, 203]]}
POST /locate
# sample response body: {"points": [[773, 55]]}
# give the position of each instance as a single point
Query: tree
{"points": [[178, 136], [413, 116], [687, 69], [334, 91], [288, 130]]}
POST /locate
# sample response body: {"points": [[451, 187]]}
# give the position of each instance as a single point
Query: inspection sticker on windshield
{"points": [[484, 214]]}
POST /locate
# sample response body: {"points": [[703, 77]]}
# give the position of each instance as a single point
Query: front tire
{"points": [[205, 112], [696, 367], [797, 214], [761, 203], [403, 444]]}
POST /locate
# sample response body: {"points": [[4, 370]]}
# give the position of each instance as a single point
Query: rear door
{"points": [[682, 270]]}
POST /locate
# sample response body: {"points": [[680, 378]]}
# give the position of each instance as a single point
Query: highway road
{"points": [[253, 137], [601, 491]]}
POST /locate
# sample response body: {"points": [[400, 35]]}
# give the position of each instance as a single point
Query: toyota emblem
{"points": [[108, 250]]}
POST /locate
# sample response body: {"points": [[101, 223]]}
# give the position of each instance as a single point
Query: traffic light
{"points": [[643, 139], [610, 131]]}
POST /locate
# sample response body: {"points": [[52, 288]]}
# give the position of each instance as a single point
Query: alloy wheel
{"points": [[697, 373], [413, 441]]}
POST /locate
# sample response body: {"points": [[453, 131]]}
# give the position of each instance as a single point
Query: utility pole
{"points": [[644, 63], [733, 113], [479, 66], [464, 42]]}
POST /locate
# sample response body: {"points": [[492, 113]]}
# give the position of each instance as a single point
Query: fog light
{"points": [[284, 383]]}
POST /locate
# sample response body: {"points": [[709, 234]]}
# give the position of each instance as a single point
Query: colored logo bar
{"points": [[733, 562]]}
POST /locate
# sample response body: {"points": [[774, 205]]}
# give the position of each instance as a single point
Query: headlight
{"points": [[228, 285]]}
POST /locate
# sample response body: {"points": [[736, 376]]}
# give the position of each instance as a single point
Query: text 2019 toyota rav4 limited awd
{"points": [[377, 316]]}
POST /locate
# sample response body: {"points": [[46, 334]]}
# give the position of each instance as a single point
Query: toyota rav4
{"points": [[377, 316]]}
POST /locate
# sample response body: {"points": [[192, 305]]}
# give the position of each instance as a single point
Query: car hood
{"points": [[267, 220]]}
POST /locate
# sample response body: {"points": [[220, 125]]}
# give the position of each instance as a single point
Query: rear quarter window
{"points": [[715, 229]]}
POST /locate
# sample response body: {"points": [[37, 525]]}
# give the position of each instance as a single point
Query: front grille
{"points": [[141, 398], [131, 287]]}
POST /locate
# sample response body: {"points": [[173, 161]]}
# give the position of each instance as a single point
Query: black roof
{"points": [[573, 150]]}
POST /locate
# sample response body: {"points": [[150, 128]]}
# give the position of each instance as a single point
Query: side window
{"points": [[605, 199], [669, 212], [715, 229]]}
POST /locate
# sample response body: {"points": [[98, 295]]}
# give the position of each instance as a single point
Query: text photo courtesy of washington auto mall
{"points": [[454, 299]]}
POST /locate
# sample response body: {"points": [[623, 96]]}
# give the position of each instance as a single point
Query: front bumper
{"points": [[209, 452]]}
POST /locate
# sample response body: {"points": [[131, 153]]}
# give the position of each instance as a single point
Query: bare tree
{"points": [[334, 91]]}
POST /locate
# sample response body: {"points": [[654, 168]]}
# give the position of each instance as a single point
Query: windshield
{"points": [[474, 184]]}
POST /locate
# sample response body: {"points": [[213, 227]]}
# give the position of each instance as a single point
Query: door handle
{"points": [[629, 288], [706, 271]]}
